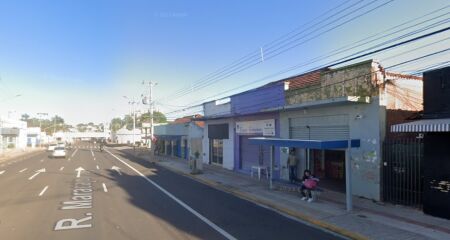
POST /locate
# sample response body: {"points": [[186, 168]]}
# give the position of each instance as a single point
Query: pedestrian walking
{"points": [[292, 164]]}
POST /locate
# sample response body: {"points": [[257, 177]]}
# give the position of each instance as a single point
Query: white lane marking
{"points": [[117, 169], [68, 159], [104, 187], [74, 152], [37, 173], [61, 168], [43, 191], [94, 158], [42, 160], [1, 172], [92, 153], [98, 167], [23, 170], [78, 170], [201, 217]]}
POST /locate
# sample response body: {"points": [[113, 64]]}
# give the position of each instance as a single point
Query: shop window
{"points": [[216, 151]]}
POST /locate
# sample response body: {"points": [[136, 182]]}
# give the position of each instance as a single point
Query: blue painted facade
{"points": [[249, 107], [259, 99], [172, 138]]}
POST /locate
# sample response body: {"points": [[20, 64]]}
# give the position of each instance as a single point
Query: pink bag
{"points": [[310, 183]]}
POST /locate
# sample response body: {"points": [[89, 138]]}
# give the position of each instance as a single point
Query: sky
{"points": [[77, 59]]}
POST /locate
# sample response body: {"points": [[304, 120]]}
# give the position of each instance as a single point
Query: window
{"points": [[216, 151]]}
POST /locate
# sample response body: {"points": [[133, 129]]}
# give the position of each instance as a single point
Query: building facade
{"points": [[181, 138]]}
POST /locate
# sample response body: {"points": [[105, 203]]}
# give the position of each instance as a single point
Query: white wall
{"points": [[365, 160], [211, 109], [228, 144]]}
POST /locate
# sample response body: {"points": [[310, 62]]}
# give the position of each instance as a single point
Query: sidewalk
{"points": [[8, 154], [368, 220]]}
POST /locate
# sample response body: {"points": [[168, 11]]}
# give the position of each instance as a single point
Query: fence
{"points": [[402, 171]]}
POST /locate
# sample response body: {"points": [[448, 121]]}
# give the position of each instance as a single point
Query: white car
{"points": [[51, 147], [63, 145], [59, 152]]}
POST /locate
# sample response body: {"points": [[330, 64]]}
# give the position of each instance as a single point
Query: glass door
{"points": [[216, 151]]}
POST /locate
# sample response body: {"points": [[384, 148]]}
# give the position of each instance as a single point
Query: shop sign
{"points": [[264, 127]]}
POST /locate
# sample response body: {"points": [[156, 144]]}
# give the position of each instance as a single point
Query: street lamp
{"points": [[132, 102], [40, 126]]}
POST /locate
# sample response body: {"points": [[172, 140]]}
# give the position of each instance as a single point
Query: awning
{"points": [[426, 125], [314, 144], [310, 144]]}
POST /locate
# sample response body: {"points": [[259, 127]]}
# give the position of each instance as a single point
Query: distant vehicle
{"points": [[51, 147], [58, 152], [61, 144]]}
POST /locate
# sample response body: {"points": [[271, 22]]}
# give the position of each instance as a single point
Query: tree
{"points": [[81, 127], [158, 117], [128, 121], [25, 117], [116, 124]]}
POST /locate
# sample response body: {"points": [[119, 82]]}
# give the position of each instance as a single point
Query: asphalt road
{"points": [[112, 195]]}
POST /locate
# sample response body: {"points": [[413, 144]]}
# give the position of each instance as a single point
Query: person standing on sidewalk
{"points": [[292, 164]]}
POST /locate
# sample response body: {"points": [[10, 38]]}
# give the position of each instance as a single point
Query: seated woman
{"points": [[309, 182]]}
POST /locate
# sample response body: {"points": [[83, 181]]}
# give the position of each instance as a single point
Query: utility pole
{"points": [[40, 126], [151, 84]]}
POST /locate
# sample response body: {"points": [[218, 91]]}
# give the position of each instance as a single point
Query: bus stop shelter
{"points": [[314, 144]]}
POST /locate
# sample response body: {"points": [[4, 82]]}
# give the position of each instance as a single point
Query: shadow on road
{"points": [[178, 222]]}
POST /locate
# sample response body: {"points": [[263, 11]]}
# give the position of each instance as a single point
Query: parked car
{"points": [[58, 152], [51, 147]]}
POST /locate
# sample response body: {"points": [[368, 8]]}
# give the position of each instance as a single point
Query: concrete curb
{"points": [[256, 200]]}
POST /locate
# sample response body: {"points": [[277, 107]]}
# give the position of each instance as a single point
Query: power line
{"points": [[250, 64], [379, 50], [348, 59]]}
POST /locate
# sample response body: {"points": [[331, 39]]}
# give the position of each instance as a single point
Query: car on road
{"points": [[61, 144], [58, 152], [51, 147]]}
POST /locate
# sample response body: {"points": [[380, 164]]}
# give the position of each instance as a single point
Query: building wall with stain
{"points": [[360, 79], [365, 122]]}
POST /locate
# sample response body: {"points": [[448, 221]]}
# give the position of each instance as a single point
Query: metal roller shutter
{"points": [[333, 127]]}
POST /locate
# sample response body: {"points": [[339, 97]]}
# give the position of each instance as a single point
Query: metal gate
{"points": [[402, 174]]}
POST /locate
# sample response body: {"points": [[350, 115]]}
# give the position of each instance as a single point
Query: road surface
{"points": [[110, 195]]}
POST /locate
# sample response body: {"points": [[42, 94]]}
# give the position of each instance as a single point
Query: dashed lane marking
{"points": [[98, 167], [104, 187], [61, 168], [23, 170], [43, 191]]}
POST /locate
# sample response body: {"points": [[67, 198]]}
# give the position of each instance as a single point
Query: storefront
{"points": [[218, 143], [342, 145], [337, 119], [249, 155]]}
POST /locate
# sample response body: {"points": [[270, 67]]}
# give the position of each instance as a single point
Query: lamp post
{"points": [[133, 112], [40, 126], [151, 109]]}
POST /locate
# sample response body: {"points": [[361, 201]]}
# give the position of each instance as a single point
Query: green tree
{"points": [[116, 124], [25, 117], [158, 117]]}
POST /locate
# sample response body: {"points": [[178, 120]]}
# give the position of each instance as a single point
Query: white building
{"points": [[125, 136], [13, 133], [33, 136]]}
